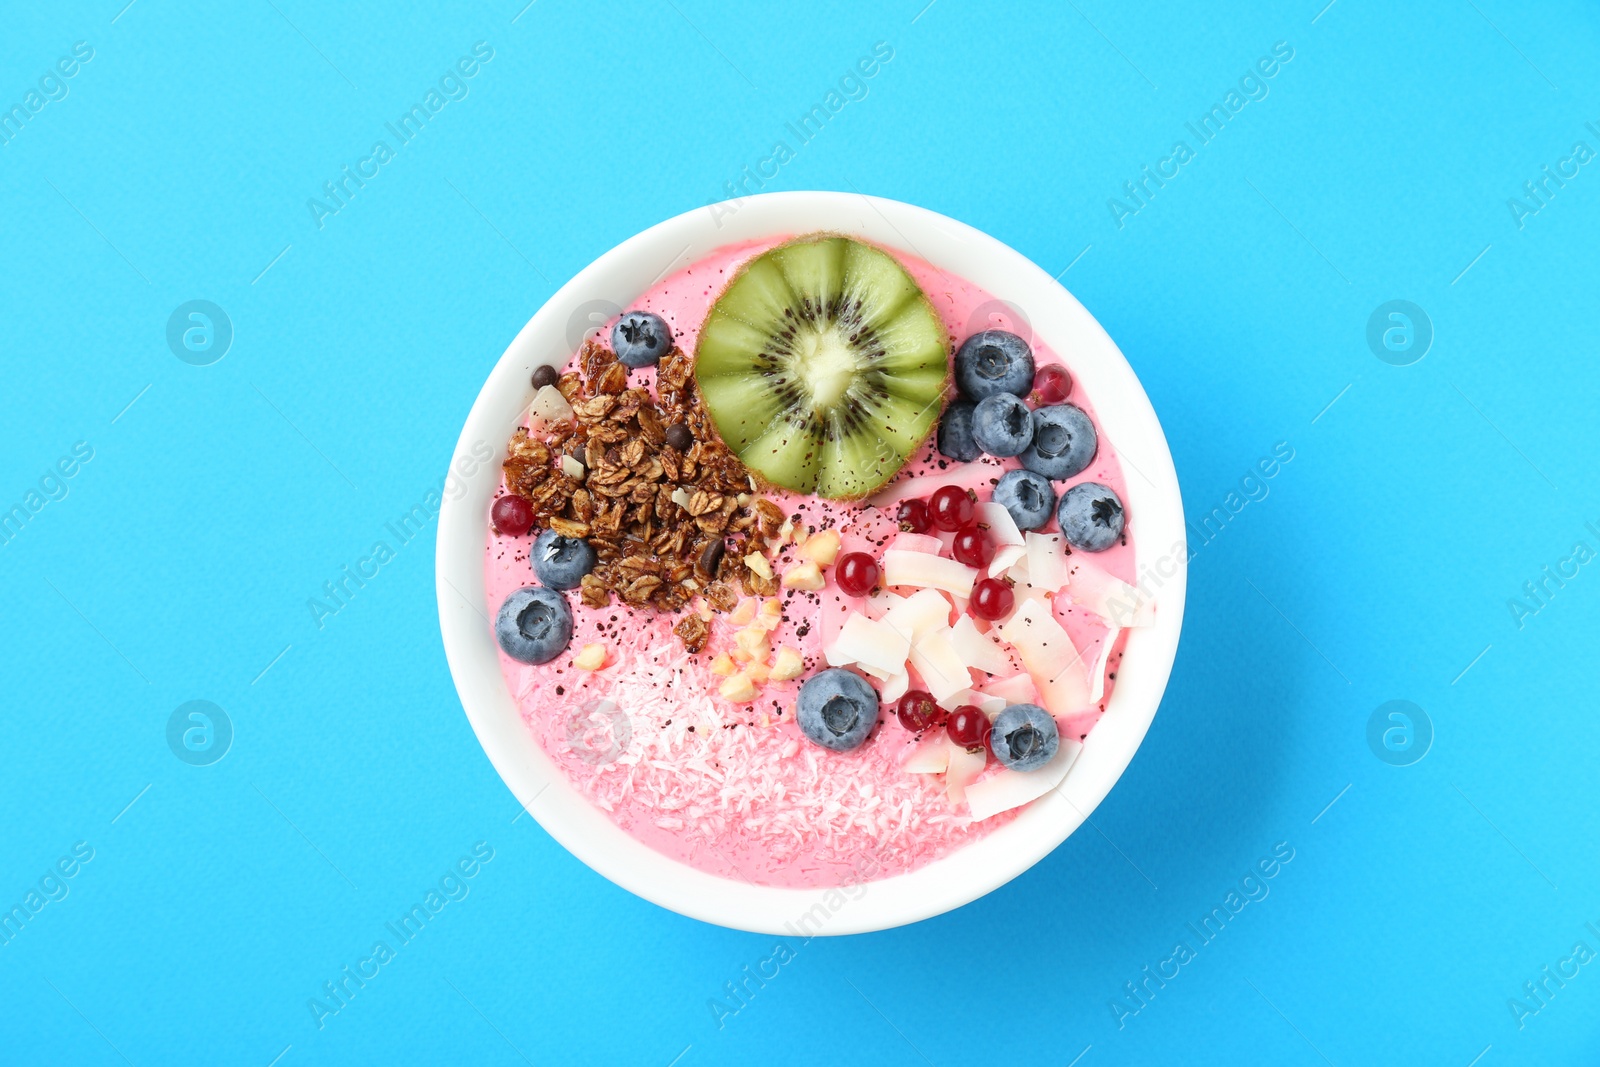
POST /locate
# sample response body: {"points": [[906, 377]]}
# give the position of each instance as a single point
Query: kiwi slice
{"points": [[823, 366]]}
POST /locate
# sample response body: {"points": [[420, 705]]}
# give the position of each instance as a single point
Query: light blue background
{"points": [[1378, 568]]}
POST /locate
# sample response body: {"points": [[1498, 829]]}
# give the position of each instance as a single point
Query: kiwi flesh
{"points": [[823, 366]]}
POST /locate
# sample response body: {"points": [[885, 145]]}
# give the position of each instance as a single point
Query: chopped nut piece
{"points": [[739, 689], [723, 665], [770, 617], [752, 641], [592, 658], [549, 406], [572, 468], [787, 666], [805, 575], [822, 546], [758, 564], [743, 613]]}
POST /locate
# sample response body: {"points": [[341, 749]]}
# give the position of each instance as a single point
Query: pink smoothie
{"points": [[736, 789]]}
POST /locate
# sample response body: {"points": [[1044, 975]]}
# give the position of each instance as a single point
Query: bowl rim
{"points": [[603, 288]]}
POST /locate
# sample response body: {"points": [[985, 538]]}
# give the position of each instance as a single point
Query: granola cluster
{"points": [[666, 522]]}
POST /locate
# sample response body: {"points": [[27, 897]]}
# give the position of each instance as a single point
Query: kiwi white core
{"points": [[826, 363]]}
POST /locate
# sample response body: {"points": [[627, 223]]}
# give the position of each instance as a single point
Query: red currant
{"points": [[1052, 383], [991, 599], [972, 547], [951, 507], [917, 711], [969, 727], [856, 573], [913, 515], [511, 515]]}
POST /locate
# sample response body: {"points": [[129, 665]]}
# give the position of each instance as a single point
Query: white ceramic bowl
{"points": [[606, 286]]}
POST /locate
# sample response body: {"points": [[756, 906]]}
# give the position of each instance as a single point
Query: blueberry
{"points": [[534, 625], [837, 709], [1091, 517], [1025, 737], [1029, 498], [561, 562], [1002, 425], [1064, 441], [994, 361], [641, 338], [955, 432]]}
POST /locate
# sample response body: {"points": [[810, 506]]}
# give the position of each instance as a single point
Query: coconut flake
{"points": [[919, 614], [1047, 561], [1018, 689], [1010, 789], [923, 570], [1108, 596], [977, 650], [1097, 675], [931, 756], [874, 645], [1002, 527], [964, 770], [1005, 558], [1050, 657], [942, 670], [914, 542]]}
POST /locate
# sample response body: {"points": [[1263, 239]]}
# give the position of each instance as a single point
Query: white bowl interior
{"points": [[610, 283]]}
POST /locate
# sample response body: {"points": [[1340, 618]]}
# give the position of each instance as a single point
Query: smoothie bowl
{"points": [[830, 570]]}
